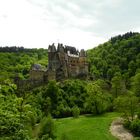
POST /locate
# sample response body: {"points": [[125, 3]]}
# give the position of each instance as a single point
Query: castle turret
{"points": [[52, 48], [52, 57], [62, 71], [60, 48], [83, 63], [82, 53]]}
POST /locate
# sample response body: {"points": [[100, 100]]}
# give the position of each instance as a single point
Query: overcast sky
{"points": [[80, 23]]}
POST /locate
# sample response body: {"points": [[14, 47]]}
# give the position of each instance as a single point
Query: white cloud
{"points": [[83, 24]]}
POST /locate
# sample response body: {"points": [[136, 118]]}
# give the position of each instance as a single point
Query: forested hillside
{"points": [[121, 54], [15, 60], [113, 86]]}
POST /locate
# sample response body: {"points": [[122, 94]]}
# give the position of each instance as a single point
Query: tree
{"points": [[47, 128], [75, 112], [117, 84], [136, 84], [11, 126], [132, 68], [95, 101], [127, 104], [50, 95]]}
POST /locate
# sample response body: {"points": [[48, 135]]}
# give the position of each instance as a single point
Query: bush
{"points": [[75, 112], [137, 138], [67, 112], [127, 124], [138, 115], [47, 129], [135, 127]]}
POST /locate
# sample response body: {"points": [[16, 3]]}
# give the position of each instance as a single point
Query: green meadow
{"points": [[85, 127]]}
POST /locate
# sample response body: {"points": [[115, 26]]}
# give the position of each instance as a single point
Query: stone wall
{"points": [[36, 75]]}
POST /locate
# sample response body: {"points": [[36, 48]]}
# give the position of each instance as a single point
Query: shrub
{"points": [[137, 138], [127, 124], [138, 114], [75, 112], [47, 129], [135, 127]]}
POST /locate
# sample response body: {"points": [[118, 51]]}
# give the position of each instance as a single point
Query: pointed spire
{"points": [[52, 48]]}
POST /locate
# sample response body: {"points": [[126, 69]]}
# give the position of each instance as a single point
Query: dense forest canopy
{"points": [[16, 49], [18, 60], [121, 54], [113, 85]]}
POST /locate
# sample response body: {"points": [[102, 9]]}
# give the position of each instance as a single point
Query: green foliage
{"points": [[75, 112], [136, 138], [11, 124], [59, 98], [118, 85], [128, 105], [134, 126], [7, 87], [96, 101], [119, 54], [138, 113], [118, 62], [74, 92], [47, 128], [50, 95], [136, 84], [13, 62], [17, 116]]}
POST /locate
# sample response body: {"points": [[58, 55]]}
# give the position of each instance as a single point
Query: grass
{"points": [[85, 127]]}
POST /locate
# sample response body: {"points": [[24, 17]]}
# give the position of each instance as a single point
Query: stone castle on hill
{"points": [[63, 62]]}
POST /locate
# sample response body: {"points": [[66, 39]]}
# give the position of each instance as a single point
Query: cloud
{"points": [[84, 24], [100, 16]]}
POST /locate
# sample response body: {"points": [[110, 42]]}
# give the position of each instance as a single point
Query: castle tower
{"points": [[62, 62], [83, 65], [60, 48], [52, 61], [53, 57]]}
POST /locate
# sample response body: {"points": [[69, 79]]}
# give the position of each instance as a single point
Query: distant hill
{"points": [[15, 60], [121, 54]]}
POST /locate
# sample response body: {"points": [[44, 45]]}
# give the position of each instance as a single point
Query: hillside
{"points": [[121, 54], [15, 60]]}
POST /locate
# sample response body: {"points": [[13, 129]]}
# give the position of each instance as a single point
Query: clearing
{"points": [[86, 127]]}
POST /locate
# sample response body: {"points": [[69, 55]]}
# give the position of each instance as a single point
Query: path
{"points": [[119, 131]]}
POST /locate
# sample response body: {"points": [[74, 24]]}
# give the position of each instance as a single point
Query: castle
{"points": [[63, 62]]}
